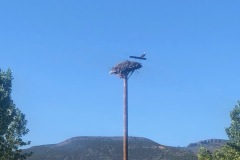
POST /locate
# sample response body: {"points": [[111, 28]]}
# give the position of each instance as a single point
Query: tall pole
{"points": [[123, 70], [125, 115]]}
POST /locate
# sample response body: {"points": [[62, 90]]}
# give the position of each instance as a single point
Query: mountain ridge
{"points": [[110, 148], [210, 144]]}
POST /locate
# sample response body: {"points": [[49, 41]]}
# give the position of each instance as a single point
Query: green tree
{"points": [[233, 131], [204, 154], [226, 153], [12, 122], [230, 151]]}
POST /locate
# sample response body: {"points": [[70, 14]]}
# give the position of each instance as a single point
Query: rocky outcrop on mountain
{"points": [[210, 144]]}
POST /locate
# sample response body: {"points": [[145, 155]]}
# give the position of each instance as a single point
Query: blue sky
{"points": [[61, 52]]}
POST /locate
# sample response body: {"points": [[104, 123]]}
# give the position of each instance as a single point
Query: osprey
{"points": [[143, 55]]}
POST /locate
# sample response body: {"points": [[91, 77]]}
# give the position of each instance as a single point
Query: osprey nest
{"points": [[124, 68]]}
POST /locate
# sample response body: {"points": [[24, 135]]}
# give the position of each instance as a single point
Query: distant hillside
{"points": [[108, 148], [211, 144]]}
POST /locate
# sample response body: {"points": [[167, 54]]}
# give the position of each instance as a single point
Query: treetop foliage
{"points": [[12, 122], [233, 131], [230, 151]]}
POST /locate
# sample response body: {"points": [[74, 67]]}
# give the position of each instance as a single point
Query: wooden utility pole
{"points": [[125, 117], [124, 70]]}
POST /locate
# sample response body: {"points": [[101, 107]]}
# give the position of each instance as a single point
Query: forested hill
{"points": [[108, 148], [210, 144]]}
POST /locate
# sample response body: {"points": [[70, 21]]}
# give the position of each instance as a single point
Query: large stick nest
{"points": [[123, 69]]}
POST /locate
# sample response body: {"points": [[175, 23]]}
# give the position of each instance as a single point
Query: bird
{"points": [[143, 55]]}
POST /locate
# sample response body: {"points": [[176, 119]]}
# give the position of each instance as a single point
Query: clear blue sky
{"points": [[61, 51]]}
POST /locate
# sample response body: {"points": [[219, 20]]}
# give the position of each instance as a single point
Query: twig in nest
{"points": [[123, 69]]}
